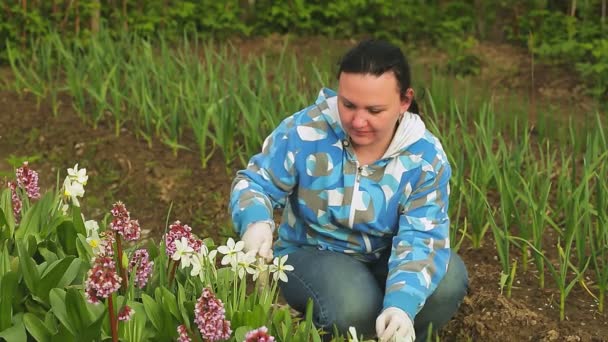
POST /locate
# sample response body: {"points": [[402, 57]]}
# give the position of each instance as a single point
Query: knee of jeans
{"points": [[455, 283], [360, 314]]}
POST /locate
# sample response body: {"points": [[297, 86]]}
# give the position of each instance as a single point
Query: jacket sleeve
{"points": [[421, 247], [266, 182]]}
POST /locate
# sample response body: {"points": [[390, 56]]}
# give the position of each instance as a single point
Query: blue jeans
{"points": [[347, 292]]}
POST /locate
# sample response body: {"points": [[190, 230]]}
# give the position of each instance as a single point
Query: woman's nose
{"points": [[359, 121]]}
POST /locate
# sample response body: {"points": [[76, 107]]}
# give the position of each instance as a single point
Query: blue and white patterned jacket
{"points": [[308, 167]]}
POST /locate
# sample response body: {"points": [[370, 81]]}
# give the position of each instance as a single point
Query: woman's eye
{"points": [[375, 111], [349, 105]]}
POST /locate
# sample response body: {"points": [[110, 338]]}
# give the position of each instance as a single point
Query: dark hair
{"points": [[376, 57]]}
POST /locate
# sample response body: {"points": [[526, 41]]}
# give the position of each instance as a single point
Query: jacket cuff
{"points": [[409, 303]]}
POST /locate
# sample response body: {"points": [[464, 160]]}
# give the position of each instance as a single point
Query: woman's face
{"points": [[370, 107]]}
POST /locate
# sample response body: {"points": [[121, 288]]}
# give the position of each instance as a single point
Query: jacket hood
{"points": [[411, 127]]}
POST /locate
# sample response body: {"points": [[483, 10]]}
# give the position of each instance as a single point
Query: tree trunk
{"points": [[124, 14], [66, 12], [54, 11], [603, 12], [77, 18], [573, 8], [95, 16], [481, 23], [7, 9], [23, 31], [165, 7]]}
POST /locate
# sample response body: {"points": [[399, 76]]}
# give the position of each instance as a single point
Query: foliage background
{"points": [[568, 32]]}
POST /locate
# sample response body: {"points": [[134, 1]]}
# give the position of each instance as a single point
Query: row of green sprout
{"points": [[539, 188], [196, 90]]}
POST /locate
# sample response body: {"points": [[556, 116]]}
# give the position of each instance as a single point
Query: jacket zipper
{"points": [[351, 215]]}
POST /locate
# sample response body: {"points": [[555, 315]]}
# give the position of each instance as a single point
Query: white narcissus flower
{"points": [[79, 176], [260, 268], [91, 226], [278, 268], [244, 263], [200, 259], [183, 252], [230, 251], [72, 190], [93, 236], [352, 335]]}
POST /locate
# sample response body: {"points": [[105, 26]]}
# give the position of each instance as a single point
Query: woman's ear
{"points": [[406, 99]]}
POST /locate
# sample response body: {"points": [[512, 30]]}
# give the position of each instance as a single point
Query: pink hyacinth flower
{"points": [[209, 315], [183, 334], [123, 224], [107, 240], [126, 313], [176, 231], [28, 180], [16, 201], [140, 262], [102, 279], [259, 335]]}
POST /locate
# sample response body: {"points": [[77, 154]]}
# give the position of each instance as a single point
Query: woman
{"points": [[364, 191]]}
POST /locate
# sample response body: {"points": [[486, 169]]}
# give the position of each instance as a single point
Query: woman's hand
{"points": [[394, 324], [258, 240]]}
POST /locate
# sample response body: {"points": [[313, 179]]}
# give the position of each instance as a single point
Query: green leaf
{"points": [[34, 218], [16, 333], [28, 268], [77, 310], [32, 244], [53, 275], [240, 332], [93, 331], [47, 254], [50, 229], [5, 260], [36, 328], [8, 284], [63, 335], [134, 329], [71, 273], [181, 299], [66, 235], [170, 303], [78, 222], [58, 305], [85, 251], [51, 322], [152, 311], [4, 227], [6, 205]]}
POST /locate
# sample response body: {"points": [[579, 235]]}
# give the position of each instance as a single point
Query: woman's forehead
{"points": [[368, 89]]}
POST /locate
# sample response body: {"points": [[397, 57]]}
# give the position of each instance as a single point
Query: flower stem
{"points": [[172, 272], [121, 270], [113, 320]]}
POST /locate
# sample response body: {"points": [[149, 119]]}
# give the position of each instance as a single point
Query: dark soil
{"points": [[151, 179]]}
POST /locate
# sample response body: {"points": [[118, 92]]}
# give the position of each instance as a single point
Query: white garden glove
{"points": [[394, 324], [258, 240]]}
